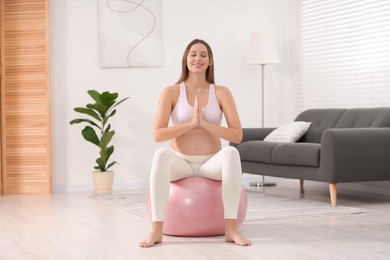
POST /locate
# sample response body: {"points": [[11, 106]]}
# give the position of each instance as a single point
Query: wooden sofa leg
{"points": [[333, 194], [301, 184]]}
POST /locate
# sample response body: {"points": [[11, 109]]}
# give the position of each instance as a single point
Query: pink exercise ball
{"points": [[195, 208]]}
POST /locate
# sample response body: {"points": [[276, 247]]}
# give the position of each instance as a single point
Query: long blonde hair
{"points": [[184, 68]]}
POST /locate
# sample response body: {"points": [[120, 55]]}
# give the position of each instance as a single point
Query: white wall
{"points": [[225, 24]]}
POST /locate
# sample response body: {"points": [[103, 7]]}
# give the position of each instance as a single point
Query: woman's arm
{"points": [[232, 133], [161, 130]]}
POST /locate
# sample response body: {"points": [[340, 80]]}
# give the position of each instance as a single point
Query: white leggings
{"points": [[169, 165]]}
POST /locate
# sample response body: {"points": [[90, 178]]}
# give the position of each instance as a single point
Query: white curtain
{"points": [[343, 54]]}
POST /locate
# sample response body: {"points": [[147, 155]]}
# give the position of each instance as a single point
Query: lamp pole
{"points": [[262, 95], [262, 183], [261, 51]]}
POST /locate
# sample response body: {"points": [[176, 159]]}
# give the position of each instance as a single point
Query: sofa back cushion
{"points": [[321, 119], [365, 117]]}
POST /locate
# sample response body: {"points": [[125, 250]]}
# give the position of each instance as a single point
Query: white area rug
{"points": [[261, 206]]}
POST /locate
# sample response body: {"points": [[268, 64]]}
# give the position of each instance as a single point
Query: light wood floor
{"points": [[71, 226]]}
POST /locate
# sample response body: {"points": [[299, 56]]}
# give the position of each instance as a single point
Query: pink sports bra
{"points": [[183, 111]]}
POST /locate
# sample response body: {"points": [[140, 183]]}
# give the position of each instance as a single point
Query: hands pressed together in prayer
{"points": [[197, 118]]}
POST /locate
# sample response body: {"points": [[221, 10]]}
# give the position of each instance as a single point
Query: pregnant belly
{"points": [[196, 142]]}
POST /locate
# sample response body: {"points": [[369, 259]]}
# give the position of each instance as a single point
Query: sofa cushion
{"points": [[365, 117], [256, 151], [288, 133], [302, 154], [321, 119]]}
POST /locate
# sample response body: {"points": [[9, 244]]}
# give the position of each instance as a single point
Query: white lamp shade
{"points": [[262, 49]]}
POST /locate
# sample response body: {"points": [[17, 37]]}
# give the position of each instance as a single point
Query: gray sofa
{"points": [[341, 145]]}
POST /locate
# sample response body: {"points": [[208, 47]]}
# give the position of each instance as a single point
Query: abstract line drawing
{"points": [[130, 33]]}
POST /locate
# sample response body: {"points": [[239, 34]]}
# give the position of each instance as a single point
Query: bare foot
{"points": [[236, 238], [151, 240], [232, 235], [155, 236]]}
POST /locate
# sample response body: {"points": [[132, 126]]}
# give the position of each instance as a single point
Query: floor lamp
{"points": [[262, 50]]}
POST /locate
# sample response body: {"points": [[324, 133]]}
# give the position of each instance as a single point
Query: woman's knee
{"points": [[230, 152], [162, 153], [231, 160], [161, 164]]}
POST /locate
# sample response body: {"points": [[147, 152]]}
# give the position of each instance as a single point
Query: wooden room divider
{"points": [[25, 97]]}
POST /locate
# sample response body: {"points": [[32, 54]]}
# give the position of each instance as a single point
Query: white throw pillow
{"points": [[288, 133]]}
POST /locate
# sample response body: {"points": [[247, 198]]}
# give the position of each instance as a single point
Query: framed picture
{"points": [[130, 33]]}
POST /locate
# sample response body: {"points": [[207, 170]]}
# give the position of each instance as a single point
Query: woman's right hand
{"points": [[196, 112]]}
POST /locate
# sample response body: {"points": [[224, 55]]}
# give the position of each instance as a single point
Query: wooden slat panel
{"points": [[1, 98], [26, 153], [28, 187]]}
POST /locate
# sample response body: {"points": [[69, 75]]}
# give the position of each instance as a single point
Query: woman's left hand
{"points": [[201, 120]]}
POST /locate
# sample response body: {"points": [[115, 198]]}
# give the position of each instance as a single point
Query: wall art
{"points": [[130, 33]]}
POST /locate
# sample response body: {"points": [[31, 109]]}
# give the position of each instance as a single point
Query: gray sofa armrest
{"points": [[252, 134], [355, 154]]}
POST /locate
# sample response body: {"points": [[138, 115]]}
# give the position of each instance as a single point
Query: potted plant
{"points": [[99, 114]]}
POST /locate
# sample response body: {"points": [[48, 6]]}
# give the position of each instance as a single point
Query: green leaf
{"points": [[120, 102], [102, 109], [95, 96], [109, 151], [104, 157], [112, 113], [117, 103], [108, 128], [109, 104], [90, 135], [87, 111], [105, 119], [108, 98], [105, 139], [80, 120], [101, 164], [111, 164]]}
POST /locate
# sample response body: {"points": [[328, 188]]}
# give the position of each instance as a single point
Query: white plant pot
{"points": [[102, 182]]}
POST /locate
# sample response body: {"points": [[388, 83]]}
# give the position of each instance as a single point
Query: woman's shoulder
{"points": [[171, 91], [222, 90]]}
